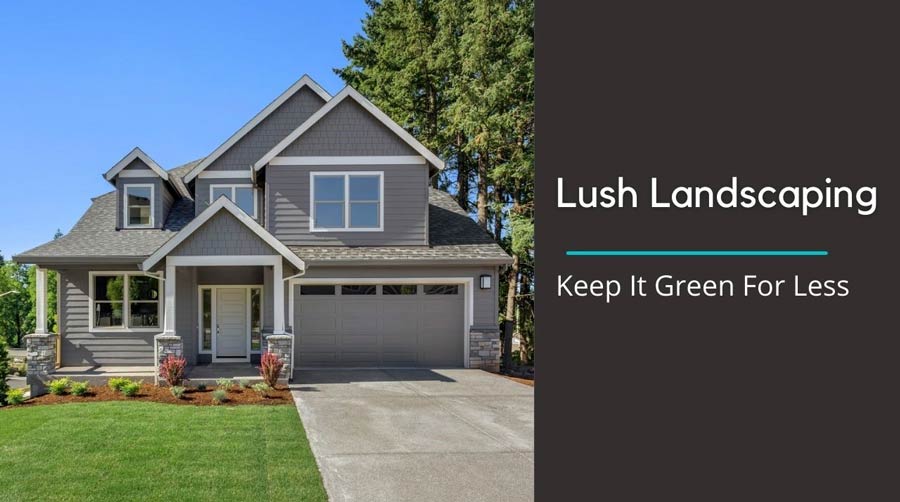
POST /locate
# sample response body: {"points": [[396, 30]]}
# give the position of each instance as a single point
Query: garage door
{"points": [[392, 325]]}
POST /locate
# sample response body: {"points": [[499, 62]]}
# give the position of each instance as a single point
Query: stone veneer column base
{"points": [[41, 353], [484, 349], [281, 345], [167, 344]]}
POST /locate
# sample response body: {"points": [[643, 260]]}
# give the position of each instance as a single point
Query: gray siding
{"points": [[82, 347], [201, 195], [348, 129], [186, 311], [222, 235], [405, 201], [269, 132], [485, 301], [217, 276]]}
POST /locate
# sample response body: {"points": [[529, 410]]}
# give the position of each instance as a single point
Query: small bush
{"points": [[224, 383], [80, 388], [172, 370], [201, 387], [177, 391], [131, 389], [15, 396], [262, 389], [59, 386], [270, 366], [118, 383], [243, 383], [219, 396]]}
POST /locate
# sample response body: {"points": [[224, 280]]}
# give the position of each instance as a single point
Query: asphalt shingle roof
{"points": [[454, 237]]}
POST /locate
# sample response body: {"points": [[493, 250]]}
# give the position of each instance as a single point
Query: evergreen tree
{"points": [[4, 371]]}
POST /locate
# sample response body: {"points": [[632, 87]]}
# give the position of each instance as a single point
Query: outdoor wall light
{"points": [[485, 281]]}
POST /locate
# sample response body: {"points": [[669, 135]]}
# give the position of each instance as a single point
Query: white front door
{"points": [[232, 325]]}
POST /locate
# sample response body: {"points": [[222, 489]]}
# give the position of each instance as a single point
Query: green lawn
{"points": [[151, 451]]}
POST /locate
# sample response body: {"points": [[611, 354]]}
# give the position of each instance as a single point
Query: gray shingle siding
{"points": [[269, 132], [405, 207], [348, 129], [222, 235]]}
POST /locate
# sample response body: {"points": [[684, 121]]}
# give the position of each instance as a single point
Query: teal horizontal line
{"points": [[696, 253]]}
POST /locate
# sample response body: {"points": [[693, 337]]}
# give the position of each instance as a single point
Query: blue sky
{"points": [[82, 83]]}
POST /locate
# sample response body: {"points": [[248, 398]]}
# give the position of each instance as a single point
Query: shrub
{"points": [[262, 389], [223, 383], [80, 388], [59, 386], [4, 371], [15, 396], [201, 387], [243, 383], [117, 383], [131, 389], [270, 366], [172, 370], [177, 391], [219, 396]]}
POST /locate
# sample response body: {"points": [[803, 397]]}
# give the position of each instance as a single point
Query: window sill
{"points": [[337, 230], [126, 330]]}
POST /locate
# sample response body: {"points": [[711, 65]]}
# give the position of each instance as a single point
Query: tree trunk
{"points": [[482, 191], [462, 174], [512, 279]]}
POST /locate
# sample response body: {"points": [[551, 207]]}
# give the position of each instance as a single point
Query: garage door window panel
{"points": [[441, 289]]}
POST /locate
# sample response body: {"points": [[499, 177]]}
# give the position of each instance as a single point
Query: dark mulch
{"points": [[236, 396]]}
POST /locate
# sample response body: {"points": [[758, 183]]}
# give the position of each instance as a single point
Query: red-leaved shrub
{"points": [[172, 370], [270, 366]]}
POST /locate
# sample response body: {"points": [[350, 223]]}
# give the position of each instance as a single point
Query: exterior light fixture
{"points": [[485, 281]]}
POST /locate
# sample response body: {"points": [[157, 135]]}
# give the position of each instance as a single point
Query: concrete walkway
{"points": [[414, 435]]}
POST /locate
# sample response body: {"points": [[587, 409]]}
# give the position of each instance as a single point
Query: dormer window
{"points": [[138, 206], [244, 196], [347, 201]]}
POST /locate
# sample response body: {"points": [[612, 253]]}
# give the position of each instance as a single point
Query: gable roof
{"points": [[136, 153], [305, 81], [349, 92], [223, 204]]}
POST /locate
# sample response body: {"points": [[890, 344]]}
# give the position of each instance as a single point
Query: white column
{"points": [[40, 275], [278, 298], [170, 298]]}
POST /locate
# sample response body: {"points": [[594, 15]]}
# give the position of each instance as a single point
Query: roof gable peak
{"points": [[135, 154]]}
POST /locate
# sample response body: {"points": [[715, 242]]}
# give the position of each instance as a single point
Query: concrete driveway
{"points": [[414, 435]]}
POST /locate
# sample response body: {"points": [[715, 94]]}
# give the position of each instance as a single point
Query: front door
{"points": [[232, 327]]}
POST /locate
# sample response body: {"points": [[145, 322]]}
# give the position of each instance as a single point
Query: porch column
{"points": [[40, 275], [170, 298], [278, 298]]}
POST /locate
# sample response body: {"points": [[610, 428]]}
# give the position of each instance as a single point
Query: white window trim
{"points": [[346, 175], [125, 188], [213, 292], [125, 303], [233, 186]]}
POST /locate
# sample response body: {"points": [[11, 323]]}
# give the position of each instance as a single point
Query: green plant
{"points": [[15, 396], [131, 389], [224, 383], [219, 396], [4, 370], [201, 387], [262, 389], [117, 383], [243, 383], [80, 388], [177, 391], [59, 386]]}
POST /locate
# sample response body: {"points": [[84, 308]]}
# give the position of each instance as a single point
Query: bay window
{"points": [[347, 201]]}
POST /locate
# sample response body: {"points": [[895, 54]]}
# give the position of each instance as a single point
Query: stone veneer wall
{"points": [[484, 349], [281, 345], [41, 354], [167, 345]]}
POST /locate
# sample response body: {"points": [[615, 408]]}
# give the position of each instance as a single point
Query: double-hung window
{"points": [[124, 301], [242, 195], [138, 206], [347, 202]]}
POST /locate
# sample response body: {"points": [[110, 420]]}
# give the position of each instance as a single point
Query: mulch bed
{"points": [[524, 381], [236, 396]]}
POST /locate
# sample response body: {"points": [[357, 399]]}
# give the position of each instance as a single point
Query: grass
{"points": [[151, 451]]}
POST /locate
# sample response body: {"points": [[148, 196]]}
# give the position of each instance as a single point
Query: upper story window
{"points": [[138, 206], [347, 202], [242, 195]]}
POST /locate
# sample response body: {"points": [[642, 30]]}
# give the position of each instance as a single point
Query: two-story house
{"points": [[312, 226]]}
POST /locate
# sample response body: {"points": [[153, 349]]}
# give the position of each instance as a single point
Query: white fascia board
{"points": [[371, 108], [136, 153], [380, 160], [220, 204], [304, 81]]}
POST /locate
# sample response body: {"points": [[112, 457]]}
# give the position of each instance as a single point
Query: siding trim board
{"points": [[347, 160]]}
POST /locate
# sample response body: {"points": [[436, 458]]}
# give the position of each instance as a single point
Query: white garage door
{"points": [[392, 325]]}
